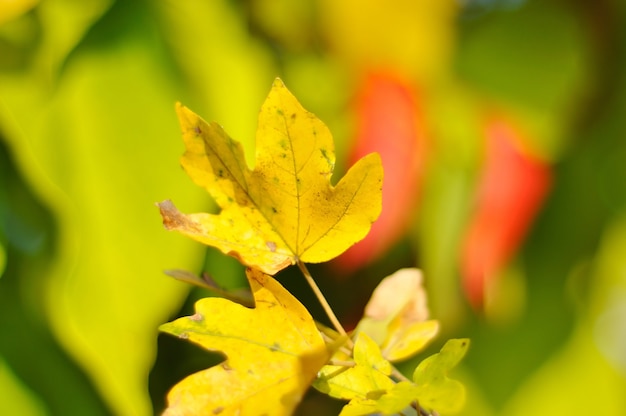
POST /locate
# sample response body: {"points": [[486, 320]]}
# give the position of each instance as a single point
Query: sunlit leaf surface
{"points": [[284, 209], [273, 353]]}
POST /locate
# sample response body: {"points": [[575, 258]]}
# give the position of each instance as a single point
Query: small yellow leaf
{"points": [[400, 294], [407, 340], [273, 353], [285, 209], [367, 379], [395, 316], [367, 353], [359, 407], [398, 400]]}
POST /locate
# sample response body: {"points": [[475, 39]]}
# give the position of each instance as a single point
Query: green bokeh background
{"points": [[89, 142]]}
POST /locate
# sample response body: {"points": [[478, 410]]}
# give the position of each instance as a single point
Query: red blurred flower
{"points": [[511, 190], [388, 122]]}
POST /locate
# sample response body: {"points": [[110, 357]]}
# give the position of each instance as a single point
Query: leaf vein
{"points": [[340, 217]]}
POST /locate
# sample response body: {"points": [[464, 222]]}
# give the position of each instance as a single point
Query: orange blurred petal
{"points": [[389, 122], [511, 190]]}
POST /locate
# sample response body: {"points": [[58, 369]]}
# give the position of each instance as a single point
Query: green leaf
{"points": [[85, 150], [17, 398], [436, 390], [367, 379], [432, 388], [89, 133], [398, 399]]}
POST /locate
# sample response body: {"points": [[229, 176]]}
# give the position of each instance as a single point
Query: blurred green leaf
{"points": [[535, 60], [591, 367], [86, 151], [12, 9], [226, 69], [289, 22], [447, 198], [3, 259], [18, 400], [27, 229], [436, 390], [63, 26], [99, 144]]}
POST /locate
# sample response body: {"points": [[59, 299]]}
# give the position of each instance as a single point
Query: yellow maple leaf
{"points": [[273, 353], [284, 210]]}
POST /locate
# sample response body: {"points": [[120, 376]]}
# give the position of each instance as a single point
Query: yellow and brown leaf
{"points": [[285, 209], [273, 353]]}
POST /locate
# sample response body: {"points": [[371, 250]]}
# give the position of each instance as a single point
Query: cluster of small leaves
{"points": [[285, 211], [369, 387], [394, 327]]}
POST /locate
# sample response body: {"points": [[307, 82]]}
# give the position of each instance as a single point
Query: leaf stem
{"points": [[397, 374], [342, 363], [320, 297], [339, 328]]}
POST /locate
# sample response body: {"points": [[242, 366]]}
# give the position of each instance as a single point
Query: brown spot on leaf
{"points": [[275, 346], [173, 219], [271, 246], [196, 317]]}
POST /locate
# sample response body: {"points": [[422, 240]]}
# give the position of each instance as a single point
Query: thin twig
{"points": [[423, 412], [397, 374], [342, 363], [320, 297], [339, 328]]}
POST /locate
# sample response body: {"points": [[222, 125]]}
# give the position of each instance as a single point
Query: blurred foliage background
{"points": [[500, 123]]}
